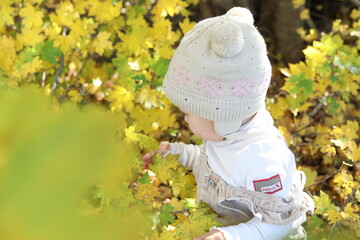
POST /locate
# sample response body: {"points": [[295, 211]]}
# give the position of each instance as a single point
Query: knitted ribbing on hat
{"points": [[220, 70]]}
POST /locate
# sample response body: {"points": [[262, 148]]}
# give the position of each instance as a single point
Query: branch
{"points": [[316, 110], [58, 74], [326, 178], [181, 211]]}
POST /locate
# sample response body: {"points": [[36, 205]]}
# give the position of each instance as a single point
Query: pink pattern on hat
{"points": [[241, 88], [180, 76], [209, 86]]}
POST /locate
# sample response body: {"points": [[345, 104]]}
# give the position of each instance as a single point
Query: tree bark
{"points": [[277, 20]]}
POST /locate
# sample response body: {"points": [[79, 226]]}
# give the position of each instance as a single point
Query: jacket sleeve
{"points": [[188, 153]]}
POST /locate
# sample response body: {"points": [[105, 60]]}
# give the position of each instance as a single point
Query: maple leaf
{"points": [[104, 11], [333, 216], [32, 18], [166, 217], [184, 185], [147, 143], [186, 25], [31, 67], [65, 14], [121, 98], [144, 119], [311, 175], [300, 83], [131, 134], [164, 168], [147, 193], [48, 52], [30, 36], [350, 211], [177, 204], [66, 43], [8, 53], [75, 96], [101, 42], [6, 15], [198, 223], [322, 203]]}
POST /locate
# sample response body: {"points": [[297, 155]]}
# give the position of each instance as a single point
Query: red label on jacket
{"points": [[268, 185]]}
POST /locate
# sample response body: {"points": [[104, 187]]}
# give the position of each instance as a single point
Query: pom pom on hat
{"points": [[243, 13], [227, 39]]}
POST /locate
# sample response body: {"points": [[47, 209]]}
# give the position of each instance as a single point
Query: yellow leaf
{"points": [[131, 134], [121, 98], [311, 175], [278, 108], [165, 168], [8, 53], [355, 14], [75, 96], [6, 15], [178, 204], [328, 150], [322, 203], [186, 25], [304, 106], [101, 42], [298, 3], [357, 195], [305, 14], [147, 193], [104, 11], [31, 67], [339, 143], [352, 151], [66, 43], [32, 18], [30, 36], [350, 211], [168, 7], [65, 14], [284, 131], [333, 216]]}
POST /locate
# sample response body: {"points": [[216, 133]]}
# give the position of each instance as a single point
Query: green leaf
{"points": [[145, 178], [26, 55], [335, 79], [189, 202], [161, 67], [48, 52], [165, 216], [147, 143], [301, 83], [122, 66]]}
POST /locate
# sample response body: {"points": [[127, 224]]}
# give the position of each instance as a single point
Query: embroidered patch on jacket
{"points": [[269, 185]]}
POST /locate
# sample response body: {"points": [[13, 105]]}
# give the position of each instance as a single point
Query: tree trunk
{"points": [[277, 20]]}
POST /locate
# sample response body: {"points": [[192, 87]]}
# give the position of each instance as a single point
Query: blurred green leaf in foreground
{"points": [[49, 158]]}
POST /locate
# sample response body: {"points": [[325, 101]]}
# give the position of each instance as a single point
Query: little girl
{"points": [[218, 77]]}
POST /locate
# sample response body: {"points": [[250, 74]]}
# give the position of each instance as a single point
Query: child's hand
{"points": [[149, 157], [212, 235]]}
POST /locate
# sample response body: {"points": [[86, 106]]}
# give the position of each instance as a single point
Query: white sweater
{"points": [[256, 158]]}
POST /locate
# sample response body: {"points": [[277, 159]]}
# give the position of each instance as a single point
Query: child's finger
{"points": [[146, 157], [164, 148]]}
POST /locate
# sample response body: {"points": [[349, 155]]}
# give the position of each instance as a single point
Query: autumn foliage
{"points": [[81, 102]]}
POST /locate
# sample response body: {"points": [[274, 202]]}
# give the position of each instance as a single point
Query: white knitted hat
{"points": [[220, 71]]}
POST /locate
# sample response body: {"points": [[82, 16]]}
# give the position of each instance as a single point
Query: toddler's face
{"points": [[202, 127]]}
